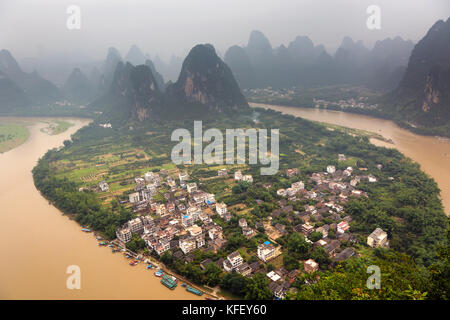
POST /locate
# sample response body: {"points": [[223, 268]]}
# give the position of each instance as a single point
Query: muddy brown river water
{"points": [[38, 243]]}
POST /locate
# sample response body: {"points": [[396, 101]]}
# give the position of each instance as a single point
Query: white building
{"points": [[210, 198], [310, 266], [124, 234], [299, 185], [103, 186], [215, 233], [238, 175], [187, 244], [134, 197], [331, 169], [187, 220], [242, 223], [183, 176], [191, 187], [136, 225], [272, 275], [162, 246], [221, 209], [222, 172], [233, 261], [195, 230], [266, 251], [378, 238]]}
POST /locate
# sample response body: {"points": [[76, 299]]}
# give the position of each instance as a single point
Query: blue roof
{"points": [[266, 242], [186, 217]]}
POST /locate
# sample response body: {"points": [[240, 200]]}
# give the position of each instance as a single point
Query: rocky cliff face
{"points": [[135, 88], [205, 80], [423, 95], [205, 84], [158, 77]]}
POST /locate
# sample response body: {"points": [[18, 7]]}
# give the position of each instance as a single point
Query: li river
{"points": [[38, 243]]}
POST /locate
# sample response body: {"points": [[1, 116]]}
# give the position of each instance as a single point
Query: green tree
{"points": [[258, 288], [315, 236]]}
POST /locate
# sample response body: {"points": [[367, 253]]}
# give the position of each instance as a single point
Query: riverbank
{"points": [[149, 261], [431, 153], [438, 132]]}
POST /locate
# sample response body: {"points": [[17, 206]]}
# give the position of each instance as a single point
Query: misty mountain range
{"points": [[302, 63], [256, 65], [416, 78]]}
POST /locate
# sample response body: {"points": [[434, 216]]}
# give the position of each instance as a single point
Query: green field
{"points": [[12, 136]]}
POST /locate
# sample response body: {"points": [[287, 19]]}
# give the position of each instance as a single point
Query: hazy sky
{"points": [[32, 27]]}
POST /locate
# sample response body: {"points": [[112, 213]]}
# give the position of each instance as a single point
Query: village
{"points": [[327, 98], [188, 219]]}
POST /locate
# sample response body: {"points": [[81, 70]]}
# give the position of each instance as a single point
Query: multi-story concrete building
{"points": [[378, 238], [232, 261], [221, 209], [266, 251]]}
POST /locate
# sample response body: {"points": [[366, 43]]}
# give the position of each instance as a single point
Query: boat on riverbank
{"points": [[169, 282], [193, 290], [159, 273], [133, 262], [86, 230]]}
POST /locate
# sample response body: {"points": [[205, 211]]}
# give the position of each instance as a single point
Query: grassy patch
{"points": [[55, 127], [12, 136]]}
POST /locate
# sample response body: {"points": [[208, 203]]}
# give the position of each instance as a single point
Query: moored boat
{"points": [[86, 230], [159, 273], [169, 282], [193, 290], [133, 262]]}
